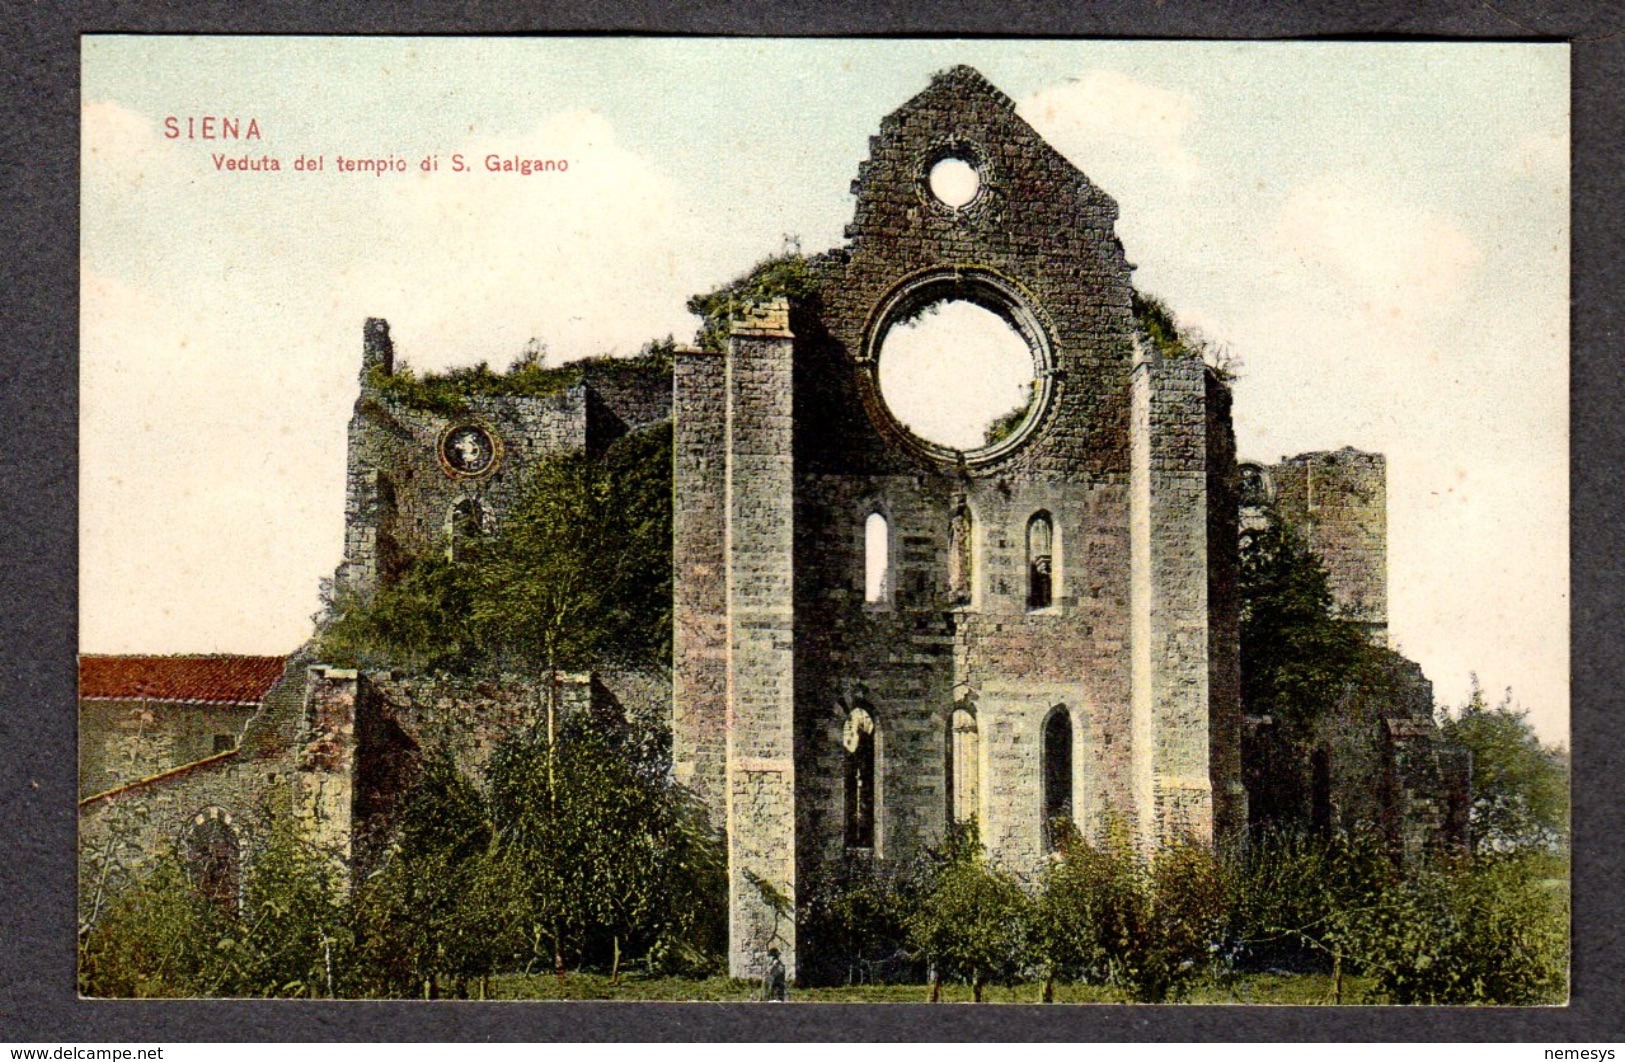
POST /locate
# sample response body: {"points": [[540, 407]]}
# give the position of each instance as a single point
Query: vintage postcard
{"points": [[843, 520]]}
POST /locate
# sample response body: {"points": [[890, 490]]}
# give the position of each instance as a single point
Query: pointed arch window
{"points": [[964, 766], [1057, 775], [876, 559], [1040, 557], [859, 741]]}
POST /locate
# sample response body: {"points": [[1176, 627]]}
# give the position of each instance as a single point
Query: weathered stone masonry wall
{"points": [[699, 584], [399, 496], [123, 741], [1172, 780], [761, 628], [1338, 500], [1042, 229], [151, 816], [1143, 577]]}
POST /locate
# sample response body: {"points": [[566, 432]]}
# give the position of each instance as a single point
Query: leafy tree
{"points": [[1520, 786], [152, 938], [581, 570], [1081, 914], [578, 574], [1296, 898], [971, 921], [608, 850], [1149, 925], [1297, 657], [420, 621], [425, 914], [856, 917], [1484, 930], [286, 938]]}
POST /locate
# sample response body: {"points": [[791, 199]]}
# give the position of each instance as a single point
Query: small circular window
{"points": [[954, 181], [468, 450]]}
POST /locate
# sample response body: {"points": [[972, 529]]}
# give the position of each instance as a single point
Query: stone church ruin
{"points": [[878, 636]]}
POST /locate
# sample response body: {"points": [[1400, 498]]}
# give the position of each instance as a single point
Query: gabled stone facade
{"points": [[1113, 692]]}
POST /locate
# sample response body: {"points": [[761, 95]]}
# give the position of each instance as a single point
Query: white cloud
{"points": [[1396, 262], [1098, 118], [206, 497], [584, 258]]}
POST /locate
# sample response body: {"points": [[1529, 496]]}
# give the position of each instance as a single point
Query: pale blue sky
{"points": [[1380, 233]]}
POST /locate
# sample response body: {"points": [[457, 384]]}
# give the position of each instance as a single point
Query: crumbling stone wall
{"points": [[400, 490], [366, 735], [1378, 761], [699, 585], [1036, 246], [1338, 500]]}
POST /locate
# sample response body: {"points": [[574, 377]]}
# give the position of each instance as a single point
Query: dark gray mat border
{"points": [[39, 489]]}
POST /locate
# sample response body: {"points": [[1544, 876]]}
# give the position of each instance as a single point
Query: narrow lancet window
{"points": [[1040, 572], [876, 559], [964, 766], [859, 741], [959, 557], [1057, 777]]}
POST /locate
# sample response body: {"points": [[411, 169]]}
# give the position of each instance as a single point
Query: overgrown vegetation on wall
{"points": [[447, 393], [793, 275], [1157, 325], [1297, 658], [578, 575]]}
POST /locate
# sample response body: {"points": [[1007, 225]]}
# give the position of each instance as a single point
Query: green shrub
{"points": [[1295, 896], [1479, 931], [854, 917], [152, 940], [1151, 926]]}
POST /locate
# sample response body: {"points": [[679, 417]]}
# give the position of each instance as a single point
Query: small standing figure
{"points": [[775, 989]]}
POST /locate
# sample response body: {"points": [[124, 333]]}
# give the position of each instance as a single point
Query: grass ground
{"points": [[1277, 989]]}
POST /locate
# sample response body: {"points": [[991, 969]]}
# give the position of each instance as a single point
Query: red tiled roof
{"points": [[221, 679]]}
